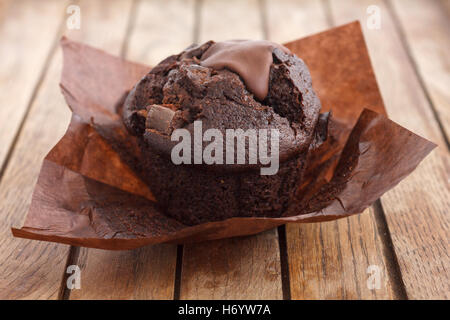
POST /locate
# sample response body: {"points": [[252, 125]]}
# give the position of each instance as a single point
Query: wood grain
{"points": [[29, 269], [237, 268], [240, 268], [288, 20], [35, 269], [417, 209], [27, 35], [328, 260], [232, 19], [333, 260], [426, 28], [149, 272], [159, 29], [145, 273]]}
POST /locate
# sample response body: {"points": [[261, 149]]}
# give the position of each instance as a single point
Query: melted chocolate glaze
{"points": [[250, 59]]}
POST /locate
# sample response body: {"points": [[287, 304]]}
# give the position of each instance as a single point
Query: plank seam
{"points": [[74, 252], [284, 263], [392, 264], [198, 4], [404, 42], [72, 259], [130, 27], [178, 270], [282, 242], [327, 10]]}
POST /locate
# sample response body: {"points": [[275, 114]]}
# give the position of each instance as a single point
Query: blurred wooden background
{"points": [[403, 240]]}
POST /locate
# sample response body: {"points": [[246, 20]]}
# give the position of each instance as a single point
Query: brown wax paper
{"points": [[88, 195]]}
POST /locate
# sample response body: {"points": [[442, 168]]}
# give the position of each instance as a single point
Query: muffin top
{"points": [[238, 84]]}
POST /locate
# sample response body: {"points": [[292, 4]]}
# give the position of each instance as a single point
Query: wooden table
{"points": [[402, 241]]}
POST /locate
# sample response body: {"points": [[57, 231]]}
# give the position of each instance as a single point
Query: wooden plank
{"points": [[149, 272], [333, 260], [27, 35], [145, 273], [34, 269], [417, 209], [236, 268], [288, 20], [240, 268], [30, 270], [328, 260], [426, 28], [233, 19], [160, 29]]}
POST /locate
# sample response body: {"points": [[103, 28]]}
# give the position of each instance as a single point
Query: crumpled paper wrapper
{"points": [[88, 194]]}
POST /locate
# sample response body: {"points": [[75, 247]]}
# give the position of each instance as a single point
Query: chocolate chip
{"points": [[159, 118]]}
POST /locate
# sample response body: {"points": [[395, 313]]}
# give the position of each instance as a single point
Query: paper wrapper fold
{"points": [[88, 195]]}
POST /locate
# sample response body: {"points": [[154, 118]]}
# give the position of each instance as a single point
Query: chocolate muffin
{"points": [[254, 86]]}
